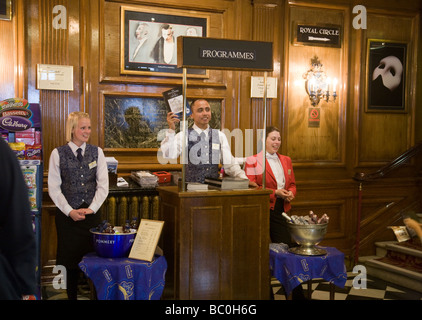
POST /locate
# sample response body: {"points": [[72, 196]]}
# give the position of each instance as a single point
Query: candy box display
{"points": [[113, 245]]}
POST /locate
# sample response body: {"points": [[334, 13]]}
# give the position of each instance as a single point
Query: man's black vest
{"points": [[203, 156]]}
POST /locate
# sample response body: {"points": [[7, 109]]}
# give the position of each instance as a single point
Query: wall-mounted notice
{"points": [[257, 87], [146, 240], [54, 77], [314, 117], [322, 36]]}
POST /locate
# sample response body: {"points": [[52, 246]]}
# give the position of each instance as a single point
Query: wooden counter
{"points": [[216, 243]]}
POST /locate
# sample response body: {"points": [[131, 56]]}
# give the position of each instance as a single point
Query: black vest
{"points": [[203, 156], [79, 182]]}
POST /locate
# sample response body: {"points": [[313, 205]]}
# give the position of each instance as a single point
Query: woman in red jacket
{"points": [[280, 178]]}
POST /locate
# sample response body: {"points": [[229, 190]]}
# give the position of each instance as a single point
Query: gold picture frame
{"points": [[5, 9], [148, 40], [135, 122], [386, 76]]}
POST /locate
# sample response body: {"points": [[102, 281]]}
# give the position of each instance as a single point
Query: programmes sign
{"points": [[211, 53]]}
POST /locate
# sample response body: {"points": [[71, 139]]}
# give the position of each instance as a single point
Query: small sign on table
{"points": [[146, 240]]}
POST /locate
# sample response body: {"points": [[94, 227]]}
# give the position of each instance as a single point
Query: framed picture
{"points": [[386, 76], [5, 9], [134, 121], [149, 40]]}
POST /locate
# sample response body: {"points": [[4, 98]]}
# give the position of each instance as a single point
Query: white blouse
{"points": [[277, 169]]}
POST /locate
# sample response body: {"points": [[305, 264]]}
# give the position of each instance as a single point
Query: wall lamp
{"points": [[318, 86]]}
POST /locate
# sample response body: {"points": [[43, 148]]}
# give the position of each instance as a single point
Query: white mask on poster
{"points": [[391, 70]]}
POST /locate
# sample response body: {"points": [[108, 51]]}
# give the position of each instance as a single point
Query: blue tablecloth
{"points": [[124, 278], [293, 269]]}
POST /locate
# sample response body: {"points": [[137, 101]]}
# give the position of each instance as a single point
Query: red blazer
{"points": [[253, 170]]}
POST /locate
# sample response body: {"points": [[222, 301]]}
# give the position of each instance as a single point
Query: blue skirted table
{"points": [[124, 278], [293, 269]]}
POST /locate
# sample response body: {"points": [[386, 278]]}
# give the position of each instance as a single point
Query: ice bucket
{"points": [[307, 236], [113, 245]]}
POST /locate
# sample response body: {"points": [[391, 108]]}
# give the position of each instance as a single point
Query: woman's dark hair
{"points": [[270, 129]]}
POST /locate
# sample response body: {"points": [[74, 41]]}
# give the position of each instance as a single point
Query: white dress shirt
{"points": [[171, 148], [55, 181], [277, 169]]}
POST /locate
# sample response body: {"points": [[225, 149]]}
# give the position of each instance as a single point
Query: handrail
{"points": [[394, 164], [362, 177]]}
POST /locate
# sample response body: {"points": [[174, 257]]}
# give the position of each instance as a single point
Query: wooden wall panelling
{"points": [[55, 46], [19, 47], [110, 41], [12, 59], [267, 26], [353, 111], [7, 43], [90, 64], [32, 50], [48, 45], [383, 205], [385, 135], [110, 79], [326, 144], [237, 114], [416, 90], [321, 167], [336, 198], [91, 44]]}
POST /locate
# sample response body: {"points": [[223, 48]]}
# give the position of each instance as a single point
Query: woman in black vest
{"points": [[78, 185]]}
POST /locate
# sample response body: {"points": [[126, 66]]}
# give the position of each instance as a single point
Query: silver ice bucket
{"points": [[307, 236]]}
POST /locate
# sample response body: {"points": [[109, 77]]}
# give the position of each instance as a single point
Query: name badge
{"points": [[215, 146], [289, 171], [93, 164]]}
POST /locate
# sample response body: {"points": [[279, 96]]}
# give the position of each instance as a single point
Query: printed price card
{"points": [[146, 240]]}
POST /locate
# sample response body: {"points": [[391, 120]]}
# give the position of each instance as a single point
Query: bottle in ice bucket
{"points": [[134, 223], [102, 226], [108, 228], [126, 227]]}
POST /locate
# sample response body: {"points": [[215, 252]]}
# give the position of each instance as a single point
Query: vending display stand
{"points": [[20, 127]]}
